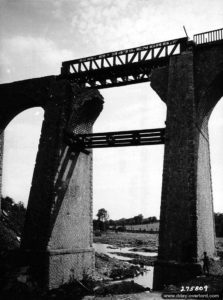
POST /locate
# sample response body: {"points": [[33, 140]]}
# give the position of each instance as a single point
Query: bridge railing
{"points": [[208, 36]]}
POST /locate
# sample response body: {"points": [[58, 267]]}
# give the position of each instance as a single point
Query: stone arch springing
{"points": [[17, 97], [209, 99]]}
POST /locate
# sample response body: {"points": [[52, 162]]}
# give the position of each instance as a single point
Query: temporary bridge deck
{"points": [[124, 67], [132, 65]]}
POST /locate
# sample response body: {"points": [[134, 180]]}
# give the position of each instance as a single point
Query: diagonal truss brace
{"points": [[122, 67]]}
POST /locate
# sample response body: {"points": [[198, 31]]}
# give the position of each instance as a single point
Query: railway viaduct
{"points": [[187, 76]]}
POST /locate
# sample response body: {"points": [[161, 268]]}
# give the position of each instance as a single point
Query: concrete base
{"points": [[68, 265], [54, 268], [166, 273]]}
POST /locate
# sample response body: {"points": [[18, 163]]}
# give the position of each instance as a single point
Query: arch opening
{"points": [[128, 108], [127, 181], [21, 138], [216, 146], [214, 112]]}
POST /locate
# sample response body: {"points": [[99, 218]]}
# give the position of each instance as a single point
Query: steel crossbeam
{"points": [[81, 142], [121, 67]]}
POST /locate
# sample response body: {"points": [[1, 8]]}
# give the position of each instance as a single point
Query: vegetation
{"points": [[136, 220], [14, 214], [103, 222], [13, 217], [11, 224], [219, 224], [102, 215]]}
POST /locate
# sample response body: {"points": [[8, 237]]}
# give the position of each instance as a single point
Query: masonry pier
{"points": [[186, 220], [60, 203]]}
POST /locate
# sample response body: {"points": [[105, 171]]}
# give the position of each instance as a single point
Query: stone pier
{"points": [[186, 219], [60, 203], [58, 234]]}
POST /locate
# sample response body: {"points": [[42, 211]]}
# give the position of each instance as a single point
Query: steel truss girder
{"points": [[81, 142], [121, 67]]}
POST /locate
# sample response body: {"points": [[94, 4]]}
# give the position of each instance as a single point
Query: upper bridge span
{"points": [[134, 65]]}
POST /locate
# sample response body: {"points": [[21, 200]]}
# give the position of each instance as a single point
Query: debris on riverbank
{"points": [[107, 268], [138, 242], [19, 284], [120, 288], [110, 273]]}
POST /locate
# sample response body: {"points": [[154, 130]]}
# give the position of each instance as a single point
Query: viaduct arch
{"points": [[57, 236]]}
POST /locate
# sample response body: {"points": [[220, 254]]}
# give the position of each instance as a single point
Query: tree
{"points": [[7, 204], [138, 219], [102, 215], [219, 224], [102, 218], [15, 214]]}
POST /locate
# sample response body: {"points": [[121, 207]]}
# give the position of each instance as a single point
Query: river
{"points": [[145, 279]]}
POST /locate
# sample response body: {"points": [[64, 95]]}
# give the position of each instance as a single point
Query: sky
{"points": [[37, 35]]}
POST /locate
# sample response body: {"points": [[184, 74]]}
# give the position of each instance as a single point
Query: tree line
{"points": [[103, 222], [14, 214]]}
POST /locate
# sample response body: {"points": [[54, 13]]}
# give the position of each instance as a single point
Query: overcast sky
{"points": [[36, 36]]}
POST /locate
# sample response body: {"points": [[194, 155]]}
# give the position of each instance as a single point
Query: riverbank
{"points": [[113, 276], [129, 239], [144, 242], [126, 255]]}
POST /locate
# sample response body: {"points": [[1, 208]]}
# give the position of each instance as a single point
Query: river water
{"points": [[145, 279]]}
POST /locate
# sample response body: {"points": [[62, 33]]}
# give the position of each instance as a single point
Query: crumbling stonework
{"points": [[57, 236], [60, 203]]}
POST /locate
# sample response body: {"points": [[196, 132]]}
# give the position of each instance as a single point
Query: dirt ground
{"points": [[129, 239]]}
